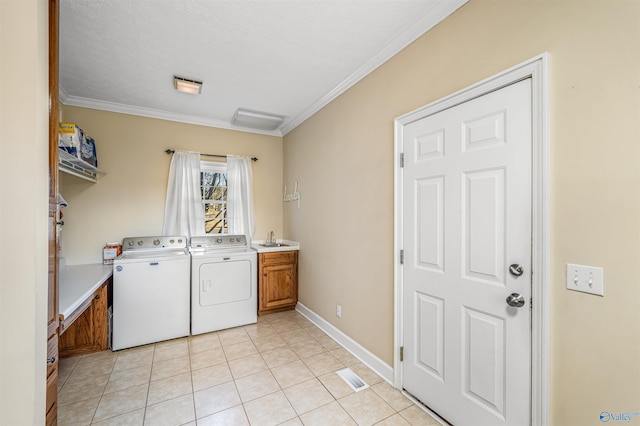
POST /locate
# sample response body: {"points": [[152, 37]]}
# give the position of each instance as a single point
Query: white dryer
{"points": [[224, 283]]}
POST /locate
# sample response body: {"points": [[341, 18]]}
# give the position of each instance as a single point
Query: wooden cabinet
{"points": [[85, 330], [52, 380], [277, 281], [51, 406]]}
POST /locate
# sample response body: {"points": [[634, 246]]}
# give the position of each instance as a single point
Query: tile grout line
{"points": [[193, 392], [103, 389], [327, 348], [235, 386], [153, 358], [315, 377]]}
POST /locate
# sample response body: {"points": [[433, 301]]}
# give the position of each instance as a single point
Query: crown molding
{"points": [[77, 101], [63, 96], [440, 11]]}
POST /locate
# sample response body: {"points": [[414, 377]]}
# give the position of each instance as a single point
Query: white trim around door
{"points": [[536, 69]]}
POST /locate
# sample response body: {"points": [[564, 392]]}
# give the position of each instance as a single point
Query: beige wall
{"points": [[23, 210], [343, 160], [129, 200]]}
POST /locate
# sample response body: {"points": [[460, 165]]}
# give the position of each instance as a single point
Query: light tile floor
{"points": [[281, 370]]}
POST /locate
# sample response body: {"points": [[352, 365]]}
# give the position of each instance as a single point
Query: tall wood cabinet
{"points": [[277, 281], [52, 305]]}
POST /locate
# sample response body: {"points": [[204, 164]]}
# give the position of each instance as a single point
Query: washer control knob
{"points": [[172, 241], [180, 240], [140, 242], [130, 243], [219, 241], [156, 242]]}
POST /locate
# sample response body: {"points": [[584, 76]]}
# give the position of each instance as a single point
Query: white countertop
{"points": [[290, 245], [77, 283]]}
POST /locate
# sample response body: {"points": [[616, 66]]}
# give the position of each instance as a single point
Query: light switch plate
{"points": [[588, 279]]}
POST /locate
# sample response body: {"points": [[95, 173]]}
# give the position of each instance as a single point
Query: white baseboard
{"points": [[383, 369]]}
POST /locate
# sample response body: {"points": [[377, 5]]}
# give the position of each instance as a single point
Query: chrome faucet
{"points": [[271, 236]]}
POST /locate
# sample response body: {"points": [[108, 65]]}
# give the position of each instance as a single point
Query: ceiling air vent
{"points": [[256, 120]]}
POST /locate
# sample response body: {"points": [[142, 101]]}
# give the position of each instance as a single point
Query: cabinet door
{"points": [[88, 333], [52, 380], [52, 305], [279, 287], [100, 307]]}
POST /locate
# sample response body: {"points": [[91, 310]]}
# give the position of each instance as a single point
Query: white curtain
{"points": [[240, 207], [183, 213]]}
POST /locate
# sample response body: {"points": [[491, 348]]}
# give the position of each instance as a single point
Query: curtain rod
{"points": [[171, 151]]}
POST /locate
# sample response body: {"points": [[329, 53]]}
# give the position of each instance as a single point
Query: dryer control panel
{"points": [[212, 242]]}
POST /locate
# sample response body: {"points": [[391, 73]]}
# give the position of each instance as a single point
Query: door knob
{"points": [[515, 299], [516, 270]]}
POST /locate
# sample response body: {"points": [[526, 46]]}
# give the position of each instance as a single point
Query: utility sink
{"points": [[267, 246], [274, 245]]}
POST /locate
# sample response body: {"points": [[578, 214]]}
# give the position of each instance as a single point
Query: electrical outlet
{"points": [[587, 279], [339, 311]]}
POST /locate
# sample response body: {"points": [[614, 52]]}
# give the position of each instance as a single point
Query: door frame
{"points": [[536, 69]]}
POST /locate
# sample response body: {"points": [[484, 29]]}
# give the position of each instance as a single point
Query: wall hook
{"points": [[294, 196]]}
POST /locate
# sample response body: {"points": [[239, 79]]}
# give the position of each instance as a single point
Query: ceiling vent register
{"points": [[256, 120]]}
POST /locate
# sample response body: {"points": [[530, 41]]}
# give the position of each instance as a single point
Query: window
{"points": [[213, 187]]}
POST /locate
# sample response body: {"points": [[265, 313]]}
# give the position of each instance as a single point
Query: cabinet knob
{"points": [[51, 360]]}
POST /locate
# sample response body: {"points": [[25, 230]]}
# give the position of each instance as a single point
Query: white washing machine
{"points": [[224, 283], [151, 289]]}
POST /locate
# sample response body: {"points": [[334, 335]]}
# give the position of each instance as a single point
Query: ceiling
{"points": [[282, 57]]}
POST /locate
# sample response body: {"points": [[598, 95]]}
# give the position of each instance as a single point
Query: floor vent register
{"points": [[352, 379]]}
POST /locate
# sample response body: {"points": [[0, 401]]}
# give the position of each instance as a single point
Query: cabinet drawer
{"points": [[278, 257], [52, 354], [52, 380]]}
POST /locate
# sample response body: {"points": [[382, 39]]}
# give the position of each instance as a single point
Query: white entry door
{"points": [[466, 213]]}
